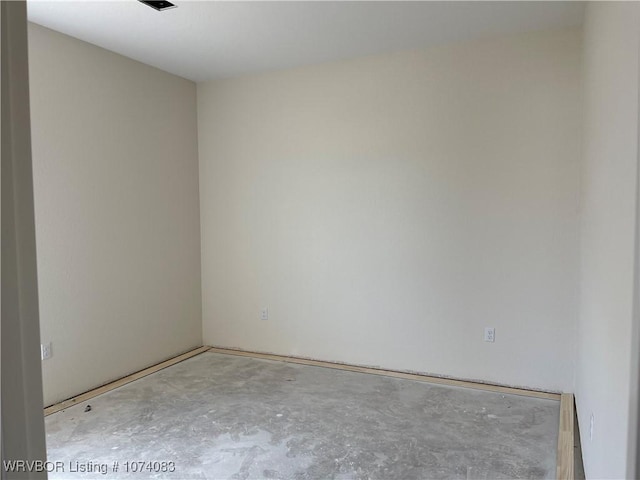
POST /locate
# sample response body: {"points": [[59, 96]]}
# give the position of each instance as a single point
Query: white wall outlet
{"points": [[264, 314], [591, 422], [489, 334], [45, 350]]}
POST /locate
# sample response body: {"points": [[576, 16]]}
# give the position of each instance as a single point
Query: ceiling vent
{"points": [[159, 5]]}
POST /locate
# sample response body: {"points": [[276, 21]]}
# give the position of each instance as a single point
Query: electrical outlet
{"points": [[264, 314], [489, 334], [591, 422], [45, 351]]}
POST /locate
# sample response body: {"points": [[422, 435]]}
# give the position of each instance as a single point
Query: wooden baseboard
{"points": [[565, 455], [122, 381], [565, 458], [391, 373]]}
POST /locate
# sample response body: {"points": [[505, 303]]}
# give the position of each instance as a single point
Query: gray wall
{"points": [[21, 420], [117, 215]]}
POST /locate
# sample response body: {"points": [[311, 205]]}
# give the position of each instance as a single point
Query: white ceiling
{"points": [[204, 40]]}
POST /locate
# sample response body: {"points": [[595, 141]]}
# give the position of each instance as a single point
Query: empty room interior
{"points": [[324, 240]]}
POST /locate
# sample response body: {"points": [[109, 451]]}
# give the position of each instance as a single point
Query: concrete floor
{"points": [[222, 416]]}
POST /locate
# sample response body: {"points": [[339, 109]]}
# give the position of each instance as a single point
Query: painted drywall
{"points": [[386, 209], [117, 212], [609, 187], [21, 420]]}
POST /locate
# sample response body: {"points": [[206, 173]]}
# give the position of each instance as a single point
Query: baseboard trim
{"points": [[565, 453], [390, 373], [565, 460], [122, 381]]}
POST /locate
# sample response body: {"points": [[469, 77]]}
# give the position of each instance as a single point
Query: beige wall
{"points": [[387, 209], [604, 381], [117, 215]]}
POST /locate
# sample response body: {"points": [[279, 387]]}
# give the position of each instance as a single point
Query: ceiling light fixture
{"points": [[159, 5]]}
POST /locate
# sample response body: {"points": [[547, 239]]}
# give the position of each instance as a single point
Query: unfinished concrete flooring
{"points": [[227, 417]]}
